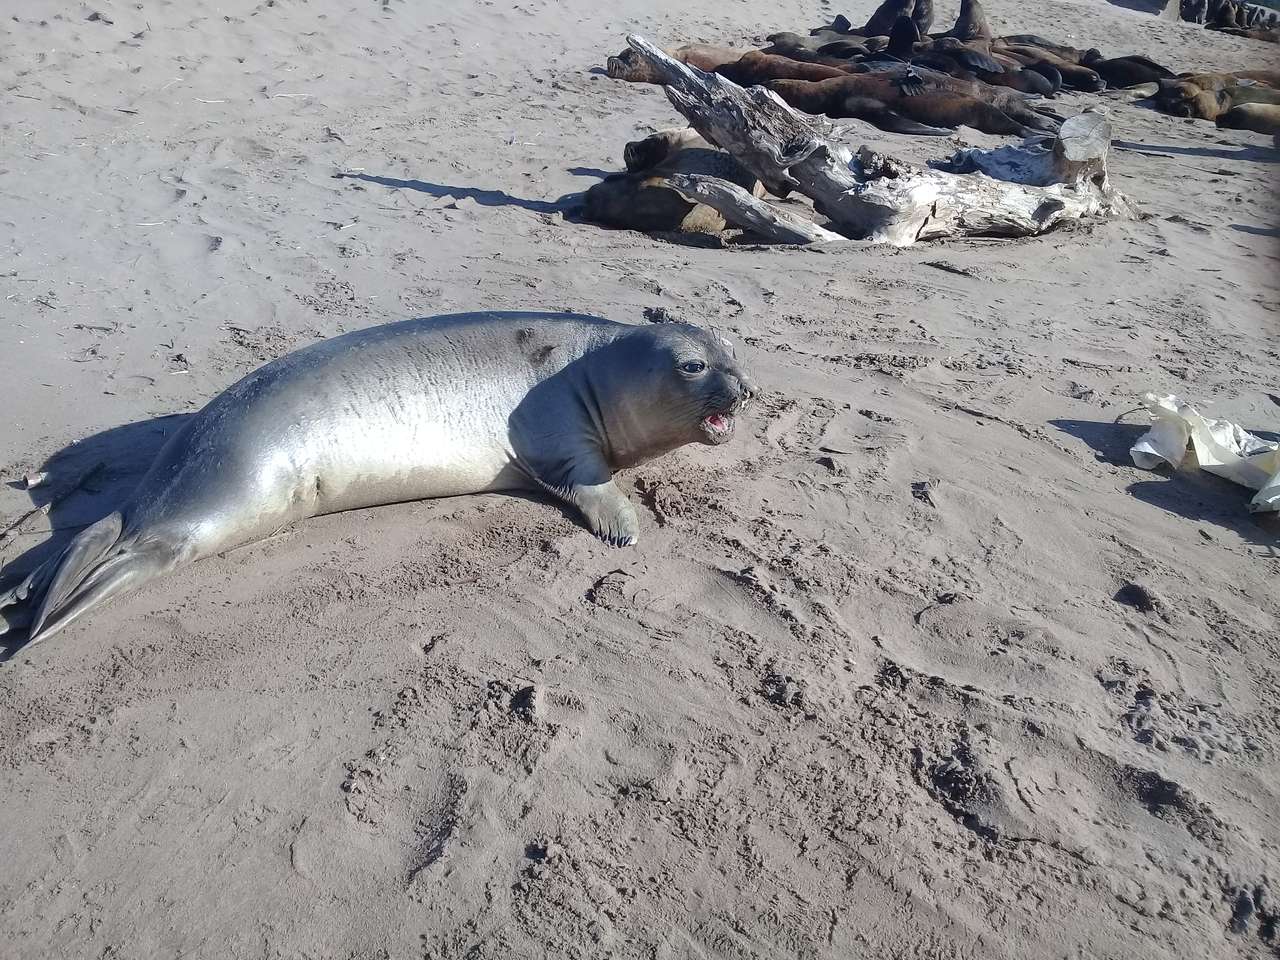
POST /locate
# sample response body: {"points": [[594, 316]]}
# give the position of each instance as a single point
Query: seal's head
{"points": [[630, 66], [694, 383]]}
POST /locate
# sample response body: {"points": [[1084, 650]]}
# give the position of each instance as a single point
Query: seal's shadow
{"points": [[1188, 491]]}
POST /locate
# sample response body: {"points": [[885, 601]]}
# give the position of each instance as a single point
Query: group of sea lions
{"points": [[1231, 16], [892, 73], [896, 76]]}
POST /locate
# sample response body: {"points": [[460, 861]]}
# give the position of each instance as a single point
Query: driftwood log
{"points": [[742, 209], [1013, 191]]}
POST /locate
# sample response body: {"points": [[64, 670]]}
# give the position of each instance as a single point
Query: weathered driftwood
{"points": [[743, 210], [1076, 155], [873, 197]]}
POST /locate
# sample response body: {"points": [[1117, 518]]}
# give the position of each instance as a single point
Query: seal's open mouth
{"points": [[718, 427]]}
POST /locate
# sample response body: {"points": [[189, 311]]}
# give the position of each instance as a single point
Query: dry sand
{"points": [[820, 711]]}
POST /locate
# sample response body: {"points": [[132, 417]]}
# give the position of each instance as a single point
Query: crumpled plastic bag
{"points": [[1221, 446]]}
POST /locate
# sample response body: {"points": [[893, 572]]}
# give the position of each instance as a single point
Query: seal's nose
{"points": [[746, 389]]}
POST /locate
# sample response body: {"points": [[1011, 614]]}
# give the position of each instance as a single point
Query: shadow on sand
{"points": [[1258, 154], [1189, 492], [84, 482], [568, 203]]}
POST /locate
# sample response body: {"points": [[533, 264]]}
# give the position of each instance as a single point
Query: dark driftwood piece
{"points": [[1019, 191]]}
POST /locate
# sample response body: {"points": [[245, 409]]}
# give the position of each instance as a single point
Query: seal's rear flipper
{"points": [[93, 567]]}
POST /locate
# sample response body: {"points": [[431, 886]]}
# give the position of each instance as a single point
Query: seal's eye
{"points": [[693, 366]]}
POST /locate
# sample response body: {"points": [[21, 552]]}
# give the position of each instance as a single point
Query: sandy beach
{"points": [[863, 689]]}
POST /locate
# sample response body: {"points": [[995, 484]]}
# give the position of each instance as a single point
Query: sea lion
{"points": [[1258, 117], [1207, 96], [838, 53], [757, 67], [1265, 34], [1064, 52], [652, 150], [883, 100], [972, 23], [431, 407], [630, 66], [641, 200], [1073, 75], [1125, 71], [922, 14], [944, 54], [885, 16]]}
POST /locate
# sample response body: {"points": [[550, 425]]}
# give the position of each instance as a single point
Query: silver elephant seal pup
{"points": [[432, 407]]}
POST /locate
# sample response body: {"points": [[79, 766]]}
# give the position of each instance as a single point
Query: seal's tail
{"points": [[95, 566]]}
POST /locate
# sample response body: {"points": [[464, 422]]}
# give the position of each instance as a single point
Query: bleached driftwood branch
{"points": [[743, 210], [878, 198]]}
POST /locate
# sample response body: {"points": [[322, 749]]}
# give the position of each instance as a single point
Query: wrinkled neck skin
{"points": [[627, 423], [596, 416]]}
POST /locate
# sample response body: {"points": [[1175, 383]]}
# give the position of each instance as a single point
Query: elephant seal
{"points": [[432, 407]]}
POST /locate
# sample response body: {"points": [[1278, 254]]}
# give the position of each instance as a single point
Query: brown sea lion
{"points": [[886, 15], [652, 150], [1208, 96], [757, 67], [972, 23], [630, 66], [881, 101], [640, 200], [1073, 75], [1231, 78], [944, 54], [1258, 117], [1125, 71], [813, 50], [1060, 50], [922, 14], [1016, 105], [1265, 34]]}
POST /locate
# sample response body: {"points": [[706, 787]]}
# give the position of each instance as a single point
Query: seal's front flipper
{"points": [[608, 512]]}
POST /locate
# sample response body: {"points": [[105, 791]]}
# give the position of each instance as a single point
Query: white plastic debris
{"points": [[1221, 447]]}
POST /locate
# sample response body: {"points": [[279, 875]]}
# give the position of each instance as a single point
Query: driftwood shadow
{"points": [[1258, 154], [486, 198], [1189, 491]]}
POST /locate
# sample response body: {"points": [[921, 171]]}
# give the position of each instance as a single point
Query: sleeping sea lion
{"points": [[757, 67], [630, 66], [1258, 117], [881, 100], [640, 199], [1125, 71]]}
